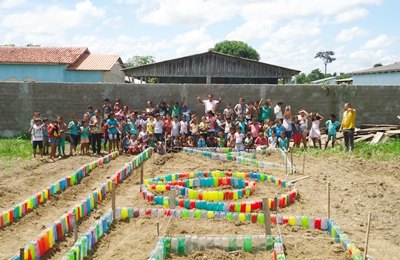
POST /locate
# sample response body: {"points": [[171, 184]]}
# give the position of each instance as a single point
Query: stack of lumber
{"points": [[376, 133]]}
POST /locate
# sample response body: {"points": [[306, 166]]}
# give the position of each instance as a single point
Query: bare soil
{"points": [[358, 186]]}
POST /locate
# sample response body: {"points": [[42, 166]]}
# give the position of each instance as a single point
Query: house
{"points": [[212, 68], [333, 81], [381, 75], [58, 64]]}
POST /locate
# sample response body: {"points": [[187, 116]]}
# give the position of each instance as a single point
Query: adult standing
{"points": [[348, 125], [209, 103], [278, 111], [96, 130]]}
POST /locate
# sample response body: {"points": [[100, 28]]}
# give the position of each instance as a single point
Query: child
{"points": [[272, 140], [287, 124], [202, 142], [54, 135], [239, 139], [228, 112], [160, 148], [249, 141], [269, 129], [150, 141], [61, 143], [37, 137], [278, 128], [266, 111], [190, 142], [221, 141], [212, 122], [74, 129], [315, 133], [158, 128], [332, 125], [175, 127], [203, 127], [106, 137], [254, 128], [194, 128], [242, 124], [107, 108], [135, 146], [261, 142], [296, 132], [283, 141], [125, 143], [45, 137], [231, 138], [211, 141], [84, 138], [184, 126], [112, 129]]}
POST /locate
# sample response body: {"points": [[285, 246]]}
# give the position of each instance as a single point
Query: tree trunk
{"points": [[325, 68]]}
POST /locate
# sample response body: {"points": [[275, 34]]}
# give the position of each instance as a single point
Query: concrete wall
{"points": [[375, 104], [390, 78]]}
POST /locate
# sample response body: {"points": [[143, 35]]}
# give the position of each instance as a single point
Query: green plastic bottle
{"points": [[248, 244], [181, 246], [269, 243], [232, 244]]}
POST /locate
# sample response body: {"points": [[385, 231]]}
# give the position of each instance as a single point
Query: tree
{"points": [[302, 78], [326, 57], [315, 74], [378, 65], [237, 49], [139, 61]]}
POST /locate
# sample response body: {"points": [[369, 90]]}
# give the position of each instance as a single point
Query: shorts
{"points": [[297, 138], [53, 140], [84, 140], [35, 144], [74, 140], [112, 137], [333, 137], [288, 134]]}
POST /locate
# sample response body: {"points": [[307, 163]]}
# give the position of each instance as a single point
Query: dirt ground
{"points": [[357, 187]]}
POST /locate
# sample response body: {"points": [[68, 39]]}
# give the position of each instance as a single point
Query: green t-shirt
{"points": [[265, 113], [176, 111]]}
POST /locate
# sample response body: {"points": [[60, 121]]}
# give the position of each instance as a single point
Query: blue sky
{"points": [[285, 32]]}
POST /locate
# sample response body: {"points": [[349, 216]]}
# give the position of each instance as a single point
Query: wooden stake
{"points": [[299, 179], [76, 231], [113, 200], [22, 253], [276, 204], [367, 236], [329, 199], [304, 160], [267, 216], [286, 163], [141, 172], [158, 228], [291, 159], [172, 194]]}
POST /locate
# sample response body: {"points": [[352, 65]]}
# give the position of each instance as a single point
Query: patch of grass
{"points": [[15, 147], [382, 151]]}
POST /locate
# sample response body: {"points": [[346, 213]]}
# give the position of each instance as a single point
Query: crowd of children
{"points": [[169, 127]]}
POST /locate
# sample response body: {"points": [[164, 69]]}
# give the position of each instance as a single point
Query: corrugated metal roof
{"points": [[41, 55], [95, 62], [379, 69]]}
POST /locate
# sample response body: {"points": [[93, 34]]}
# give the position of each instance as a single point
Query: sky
{"points": [[287, 33]]}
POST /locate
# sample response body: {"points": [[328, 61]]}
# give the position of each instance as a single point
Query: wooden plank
{"points": [[374, 130], [364, 138], [377, 137], [393, 132], [363, 126]]}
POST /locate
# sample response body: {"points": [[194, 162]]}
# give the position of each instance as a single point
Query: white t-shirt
{"points": [[208, 105], [272, 141], [228, 127], [158, 126], [37, 132], [239, 137], [175, 128], [278, 112], [287, 124], [184, 127]]}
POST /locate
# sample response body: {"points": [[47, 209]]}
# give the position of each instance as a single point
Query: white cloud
{"points": [[298, 29], [252, 30], [45, 25], [194, 41], [351, 33], [379, 42], [351, 15], [6, 4]]}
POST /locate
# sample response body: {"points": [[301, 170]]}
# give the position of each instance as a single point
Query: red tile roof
{"points": [[95, 62], [41, 55]]}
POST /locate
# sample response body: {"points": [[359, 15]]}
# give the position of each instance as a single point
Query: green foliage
{"points": [[389, 150], [343, 75], [237, 49], [139, 61], [15, 147]]}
